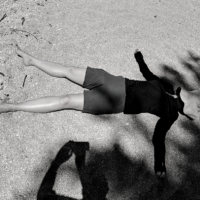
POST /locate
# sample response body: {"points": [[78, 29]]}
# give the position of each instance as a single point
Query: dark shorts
{"points": [[106, 93]]}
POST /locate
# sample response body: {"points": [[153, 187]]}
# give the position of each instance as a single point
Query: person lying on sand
{"points": [[109, 94]]}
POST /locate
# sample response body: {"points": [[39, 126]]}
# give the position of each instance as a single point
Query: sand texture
{"points": [[99, 34]]}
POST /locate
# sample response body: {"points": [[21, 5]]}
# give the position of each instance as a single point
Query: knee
{"points": [[65, 100], [69, 71]]}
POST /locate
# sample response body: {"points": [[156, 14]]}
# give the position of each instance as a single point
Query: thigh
{"points": [[105, 99], [96, 103], [94, 78], [76, 74]]}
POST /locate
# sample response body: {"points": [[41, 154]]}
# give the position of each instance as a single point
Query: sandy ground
{"points": [[100, 34]]}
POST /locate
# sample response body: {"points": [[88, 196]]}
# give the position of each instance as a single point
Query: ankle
{"points": [[11, 107], [31, 60]]}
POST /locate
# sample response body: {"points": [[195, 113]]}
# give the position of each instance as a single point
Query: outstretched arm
{"points": [[148, 75], [162, 126]]}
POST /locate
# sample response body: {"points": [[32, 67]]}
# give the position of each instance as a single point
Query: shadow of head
{"points": [[94, 181], [95, 185]]}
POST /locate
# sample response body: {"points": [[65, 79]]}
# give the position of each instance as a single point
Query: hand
{"points": [[138, 55], [137, 51], [161, 175], [79, 148], [160, 170], [64, 153]]}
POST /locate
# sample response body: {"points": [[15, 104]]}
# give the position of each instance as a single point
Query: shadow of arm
{"points": [[46, 191]]}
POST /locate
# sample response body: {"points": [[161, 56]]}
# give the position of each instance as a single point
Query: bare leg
{"points": [[74, 74], [47, 104]]}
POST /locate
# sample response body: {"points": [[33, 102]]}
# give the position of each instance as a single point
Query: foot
{"points": [[137, 51], [138, 55], [27, 59]]}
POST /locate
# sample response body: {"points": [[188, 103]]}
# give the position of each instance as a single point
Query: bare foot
{"points": [[27, 59]]}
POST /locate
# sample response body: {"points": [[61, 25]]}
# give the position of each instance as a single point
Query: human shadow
{"points": [[121, 173], [93, 181]]}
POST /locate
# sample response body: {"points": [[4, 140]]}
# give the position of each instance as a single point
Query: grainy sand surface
{"points": [[100, 34]]}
